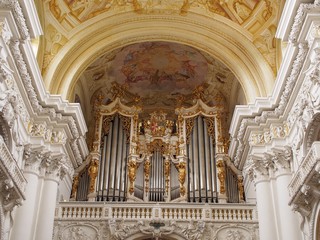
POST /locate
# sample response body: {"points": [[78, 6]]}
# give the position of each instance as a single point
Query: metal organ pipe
{"points": [[112, 173], [201, 164]]}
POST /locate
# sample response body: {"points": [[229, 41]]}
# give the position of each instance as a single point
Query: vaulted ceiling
{"points": [[160, 51]]}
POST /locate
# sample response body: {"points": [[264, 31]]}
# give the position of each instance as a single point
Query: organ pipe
{"points": [[201, 163], [112, 173], [155, 162]]}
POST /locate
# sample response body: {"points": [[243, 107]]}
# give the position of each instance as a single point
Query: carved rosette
{"points": [[93, 173]]}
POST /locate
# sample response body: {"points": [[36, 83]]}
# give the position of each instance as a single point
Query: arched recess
{"points": [[219, 37]]}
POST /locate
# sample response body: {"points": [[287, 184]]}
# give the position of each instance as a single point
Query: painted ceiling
{"points": [[63, 19], [160, 74]]}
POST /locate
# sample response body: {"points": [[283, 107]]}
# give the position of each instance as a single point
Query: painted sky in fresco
{"points": [[160, 68]]}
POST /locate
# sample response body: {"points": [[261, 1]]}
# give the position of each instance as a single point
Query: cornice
{"points": [[54, 113], [288, 85], [15, 8], [287, 18]]}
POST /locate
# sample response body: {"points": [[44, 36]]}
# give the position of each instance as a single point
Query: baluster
{"points": [[64, 212], [121, 212], [240, 214], [220, 214], [70, 212], [76, 215], [89, 212], [169, 213], [234, 214], [225, 216], [83, 212]]}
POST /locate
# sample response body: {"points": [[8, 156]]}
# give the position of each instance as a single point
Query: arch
{"points": [[221, 38]]}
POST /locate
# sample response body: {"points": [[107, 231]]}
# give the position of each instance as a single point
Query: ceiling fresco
{"points": [[64, 18], [160, 74], [159, 67]]}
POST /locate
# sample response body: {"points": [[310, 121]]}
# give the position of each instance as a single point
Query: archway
{"points": [[220, 38]]}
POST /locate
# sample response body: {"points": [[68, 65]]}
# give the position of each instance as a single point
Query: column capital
{"points": [[55, 166], [33, 157], [282, 159], [257, 168]]}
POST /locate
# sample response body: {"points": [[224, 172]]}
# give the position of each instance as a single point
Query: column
{"points": [[259, 172], [47, 204], [24, 219], [289, 224]]}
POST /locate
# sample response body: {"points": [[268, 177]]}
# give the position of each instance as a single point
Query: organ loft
{"points": [[154, 155]]}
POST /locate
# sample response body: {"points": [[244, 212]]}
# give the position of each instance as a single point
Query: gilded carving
{"points": [[75, 185], [167, 173], [189, 126], [93, 173], [221, 176], [132, 170], [147, 165], [210, 126], [181, 166]]}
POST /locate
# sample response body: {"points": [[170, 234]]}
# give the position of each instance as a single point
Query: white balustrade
{"points": [[305, 169], [145, 211]]}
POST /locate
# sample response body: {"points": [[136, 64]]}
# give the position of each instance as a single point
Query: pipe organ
{"points": [[202, 183], [159, 158], [111, 184]]}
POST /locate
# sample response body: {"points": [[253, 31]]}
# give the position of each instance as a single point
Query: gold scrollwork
{"points": [[147, 165], [167, 173], [189, 127], [210, 126], [132, 171], [181, 166]]}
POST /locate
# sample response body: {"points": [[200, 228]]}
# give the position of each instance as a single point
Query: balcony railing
{"points": [[305, 170], [161, 211]]}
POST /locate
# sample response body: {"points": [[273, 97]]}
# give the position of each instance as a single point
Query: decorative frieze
{"points": [[41, 129], [16, 10], [303, 10], [261, 137], [269, 164]]}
